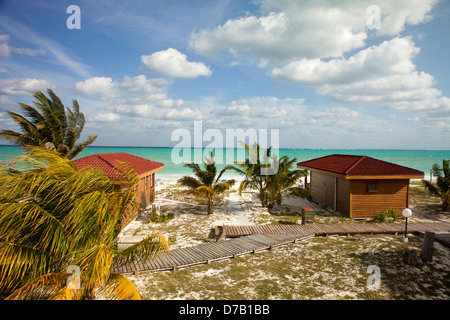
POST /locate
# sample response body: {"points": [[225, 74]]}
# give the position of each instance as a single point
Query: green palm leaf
{"points": [[53, 216], [49, 122]]}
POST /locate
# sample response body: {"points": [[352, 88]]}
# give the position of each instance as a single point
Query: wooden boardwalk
{"points": [[443, 238], [337, 228], [215, 251], [254, 238]]}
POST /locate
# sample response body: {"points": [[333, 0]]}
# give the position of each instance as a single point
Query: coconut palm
{"points": [[49, 124], [253, 168], [284, 181], [56, 219], [271, 179], [442, 186], [206, 183]]}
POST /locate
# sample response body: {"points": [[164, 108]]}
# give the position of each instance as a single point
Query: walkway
{"points": [[337, 228], [215, 251], [254, 238]]}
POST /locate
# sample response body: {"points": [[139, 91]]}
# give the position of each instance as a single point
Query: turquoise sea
{"points": [[418, 159]]}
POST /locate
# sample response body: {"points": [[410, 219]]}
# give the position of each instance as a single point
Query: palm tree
{"points": [[206, 182], [442, 187], [253, 170], [55, 218], [271, 180], [49, 124], [284, 181]]}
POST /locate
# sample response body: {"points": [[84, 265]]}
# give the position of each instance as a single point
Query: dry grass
{"points": [[317, 268]]}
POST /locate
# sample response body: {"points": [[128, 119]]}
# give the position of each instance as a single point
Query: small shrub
{"points": [[389, 215], [156, 218]]}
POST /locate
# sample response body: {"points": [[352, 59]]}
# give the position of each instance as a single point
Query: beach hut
{"points": [[359, 186], [112, 164]]}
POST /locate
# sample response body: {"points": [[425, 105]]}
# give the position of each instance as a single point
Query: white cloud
{"points": [[291, 30], [258, 107], [336, 113], [170, 103], [172, 63], [6, 49], [103, 85], [106, 117], [141, 90], [23, 87], [383, 75], [397, 14], [140, 83], [390, 57], [152, 112]]}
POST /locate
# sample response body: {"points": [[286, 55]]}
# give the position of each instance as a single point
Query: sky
{"points": [[322, 74]]}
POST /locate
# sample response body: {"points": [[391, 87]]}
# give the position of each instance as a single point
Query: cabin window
{"points": [[372, 187]]}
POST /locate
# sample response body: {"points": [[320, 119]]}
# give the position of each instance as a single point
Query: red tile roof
{"points": [[110, 164], [351, 165]]}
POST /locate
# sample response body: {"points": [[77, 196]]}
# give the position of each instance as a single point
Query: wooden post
{"points": [[427, 246], [222, 234], [411, 257]]}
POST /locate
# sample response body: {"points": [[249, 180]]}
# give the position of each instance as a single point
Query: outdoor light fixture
{"points": [[406, 213]]}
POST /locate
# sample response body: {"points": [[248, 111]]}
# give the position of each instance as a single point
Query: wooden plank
{"points": [[181, 257], [240, 246], [158, 263], [257, 244], [431, 227], [176, 258], [263, 240], [203, 255], [165, 261], [417, 226], [221, 249], [443, 238], [189, 258], [225, 251], [188, 254]]}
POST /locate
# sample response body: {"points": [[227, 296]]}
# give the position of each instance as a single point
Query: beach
{"points": [[310, 269]]}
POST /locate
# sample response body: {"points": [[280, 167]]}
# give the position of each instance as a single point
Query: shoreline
{"points": [[173, 178]]}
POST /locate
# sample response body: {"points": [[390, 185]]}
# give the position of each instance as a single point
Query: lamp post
{"points": [[406, 213]]}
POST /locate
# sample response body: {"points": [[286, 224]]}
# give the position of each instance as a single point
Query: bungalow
{"points": [[359, 186], [111, 164]]}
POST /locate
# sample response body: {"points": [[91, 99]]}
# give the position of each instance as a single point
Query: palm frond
{"points": [[42, 287], [95, 265], [431, 187], [119, 287], [148, 248], [53, 215], [48, 122], [297, 192], [189, 182], [65, 293]]}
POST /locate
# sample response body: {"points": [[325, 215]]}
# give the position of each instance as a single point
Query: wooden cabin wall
{"points": [[343, 196], [146, 191], [391, 194], [322, 188]]}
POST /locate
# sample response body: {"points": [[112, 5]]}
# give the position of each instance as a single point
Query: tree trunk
{"points": [[445, 200], [279, 199], [263, 199], [210, 206]]}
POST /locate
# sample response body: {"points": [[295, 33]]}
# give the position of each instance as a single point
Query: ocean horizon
{"points": [[421, 160]]}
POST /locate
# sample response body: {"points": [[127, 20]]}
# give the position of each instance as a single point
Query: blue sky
{"points": [[314, 70]]}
